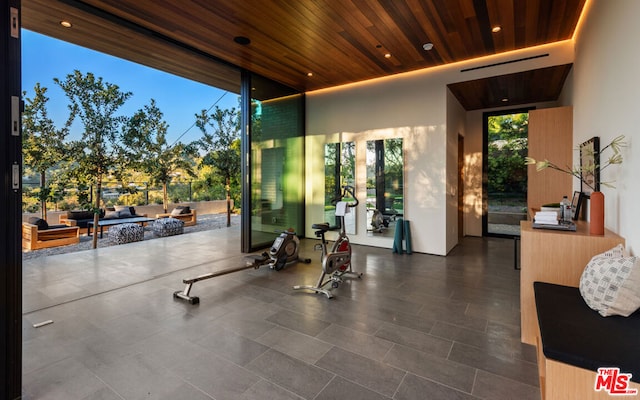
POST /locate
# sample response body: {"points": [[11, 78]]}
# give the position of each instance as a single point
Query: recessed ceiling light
{"points": [[387, 55], [309, 73], [427, 46], [504, 100], [243, 40], [496, 29], [66, 24]]}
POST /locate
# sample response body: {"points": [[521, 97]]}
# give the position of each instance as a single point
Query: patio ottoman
{"points": [[163, 227], [125, 233]]}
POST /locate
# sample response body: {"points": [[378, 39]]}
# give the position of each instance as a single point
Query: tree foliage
{"points": [[43, 145], [146, 149], [221, 144], [129, 155], [340, 169], [95, 104], [507, 135]]}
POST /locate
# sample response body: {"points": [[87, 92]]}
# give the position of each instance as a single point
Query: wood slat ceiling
{"points": [[339, 41], [538, 85]]}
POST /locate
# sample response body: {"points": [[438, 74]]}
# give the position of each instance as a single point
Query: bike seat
{"points": [[324, 226]]}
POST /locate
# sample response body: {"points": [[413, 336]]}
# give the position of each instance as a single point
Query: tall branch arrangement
{"points": [[615, 147]]}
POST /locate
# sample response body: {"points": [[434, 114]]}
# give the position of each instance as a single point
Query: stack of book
{"points": [[546, 218], [549, 220]]}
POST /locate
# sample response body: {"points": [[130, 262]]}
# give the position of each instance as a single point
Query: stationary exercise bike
{"points": [[336, 264]]}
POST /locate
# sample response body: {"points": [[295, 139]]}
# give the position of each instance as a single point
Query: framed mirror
{"points": [[590, 166], [385, 185], [339, 170]]}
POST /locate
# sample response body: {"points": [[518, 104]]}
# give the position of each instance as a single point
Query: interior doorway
{"points": [[505, 174]]}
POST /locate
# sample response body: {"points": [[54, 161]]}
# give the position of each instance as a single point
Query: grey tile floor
{"points": [[414, 327]]}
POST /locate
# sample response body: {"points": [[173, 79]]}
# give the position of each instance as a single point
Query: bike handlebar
{"points": [[348, 189]]}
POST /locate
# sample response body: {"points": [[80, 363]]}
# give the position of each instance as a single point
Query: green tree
{"points": [[95, 104], [222, 146], [393, 167], [508, 126], [207, 185], [43, 145], [507, 135], [147, 150]]}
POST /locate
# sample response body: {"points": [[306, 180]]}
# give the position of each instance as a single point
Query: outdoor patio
{"points": [[205, 222]]}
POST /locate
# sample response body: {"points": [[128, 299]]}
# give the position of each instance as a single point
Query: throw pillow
{"points": [[181, 210], [112, 214], [610, 284], [39, 222], [123, 211]]}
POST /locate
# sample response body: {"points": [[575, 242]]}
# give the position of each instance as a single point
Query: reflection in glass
{"points": [[385, 185], [340, 170], [276, 157]]}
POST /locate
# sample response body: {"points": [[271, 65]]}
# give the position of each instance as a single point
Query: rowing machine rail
{"points": [[184, 294]]}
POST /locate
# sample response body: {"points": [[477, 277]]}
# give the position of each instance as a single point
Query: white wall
{"points": [[605, 101], [455, 127], [413, 106], [377, 111]]}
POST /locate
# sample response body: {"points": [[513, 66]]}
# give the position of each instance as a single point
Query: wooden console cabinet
{"points": [[555, 257]]}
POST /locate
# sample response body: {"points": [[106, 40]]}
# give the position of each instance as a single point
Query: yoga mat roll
{"points": [[407, 236], [397, 238]]}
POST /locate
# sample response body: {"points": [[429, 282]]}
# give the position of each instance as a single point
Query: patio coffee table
{"points": [[118, 221]]}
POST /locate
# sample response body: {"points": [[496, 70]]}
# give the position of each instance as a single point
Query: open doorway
{"points": [[158, 159], [505, 174]]}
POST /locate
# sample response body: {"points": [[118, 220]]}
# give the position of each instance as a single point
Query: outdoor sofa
{"points": [[182, 213], [82, 218], [38, 234]]}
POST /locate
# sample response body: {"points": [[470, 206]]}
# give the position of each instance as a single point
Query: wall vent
{"points": [[505, 62]]}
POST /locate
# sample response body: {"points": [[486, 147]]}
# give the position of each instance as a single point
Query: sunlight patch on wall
{"points": [[426, 166], [473, 185]]}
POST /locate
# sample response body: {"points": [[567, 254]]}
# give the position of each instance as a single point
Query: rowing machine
{"points": [[283, 251]]}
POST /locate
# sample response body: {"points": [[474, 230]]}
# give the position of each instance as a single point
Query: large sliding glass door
{"points": [[273, 162], [505, 183]]}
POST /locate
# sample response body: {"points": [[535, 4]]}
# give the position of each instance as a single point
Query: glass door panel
{"points": [[506, 184], [276, 162]]}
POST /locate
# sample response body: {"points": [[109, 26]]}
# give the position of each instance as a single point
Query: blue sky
{"points": [[45, 58]]}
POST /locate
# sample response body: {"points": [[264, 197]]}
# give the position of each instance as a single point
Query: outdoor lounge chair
{"points": [[34, 237], [183, 213]]}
